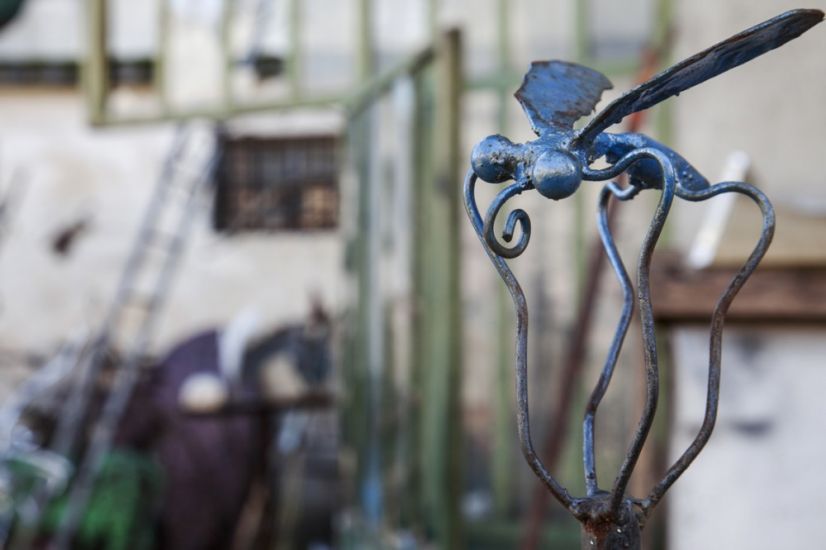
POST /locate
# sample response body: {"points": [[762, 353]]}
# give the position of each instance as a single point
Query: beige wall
{"points": [[773, 108], [72, 171]]}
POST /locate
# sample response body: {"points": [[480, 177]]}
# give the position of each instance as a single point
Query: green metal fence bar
{"points": [[161, 52], [295, 48], [96, 68], [380, 85], [502, 472], [427, 499], [227, 54], [441, 433]]}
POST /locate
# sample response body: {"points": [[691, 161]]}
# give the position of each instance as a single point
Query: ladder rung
{"points": [[139, 301], [161, 239], [176, 196], [188, 169]]}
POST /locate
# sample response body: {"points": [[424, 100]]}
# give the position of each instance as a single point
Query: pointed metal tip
{"points": [[801, 20], [812, 16], [811, 12]]}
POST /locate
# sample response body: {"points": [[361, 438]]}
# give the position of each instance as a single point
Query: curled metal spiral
{"points": [[597, 504], [516, 216]]}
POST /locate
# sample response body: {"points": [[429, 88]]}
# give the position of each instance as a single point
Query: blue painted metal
{"points": [[726, 55], [554, 96]]}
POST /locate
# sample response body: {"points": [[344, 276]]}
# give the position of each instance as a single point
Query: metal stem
{"points": [[717, 321], [484, 231], [647, 322], [616, 345]]}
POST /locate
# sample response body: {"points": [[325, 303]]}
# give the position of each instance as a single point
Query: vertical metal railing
{"points": [[424, 494]]}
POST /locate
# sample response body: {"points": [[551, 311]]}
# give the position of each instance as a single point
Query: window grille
{"points": [[274, 184]]}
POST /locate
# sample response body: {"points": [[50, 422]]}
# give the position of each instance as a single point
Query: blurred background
{"points": [[241, 306]]}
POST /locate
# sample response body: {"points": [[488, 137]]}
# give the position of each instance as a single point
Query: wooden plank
{"points": [[782, 295]]}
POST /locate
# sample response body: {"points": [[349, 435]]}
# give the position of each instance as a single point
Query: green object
{"points": [[9, 10], [121, 511]]}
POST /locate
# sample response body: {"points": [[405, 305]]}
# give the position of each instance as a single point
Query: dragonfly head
{"points": [[495, 159], [553, 171]]}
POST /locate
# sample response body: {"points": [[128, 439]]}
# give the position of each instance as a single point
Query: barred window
{"points": [[56, 73], [273, 184]]}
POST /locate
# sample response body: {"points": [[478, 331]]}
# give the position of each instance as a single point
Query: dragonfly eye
{"points": [[556, 175], [493, 159]]}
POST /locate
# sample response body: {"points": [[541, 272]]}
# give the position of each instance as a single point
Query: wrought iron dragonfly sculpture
{"points": [[555, 95]]}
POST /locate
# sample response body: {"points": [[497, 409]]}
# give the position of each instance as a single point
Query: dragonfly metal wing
{"points": [[707, 64], [554, 94]]}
